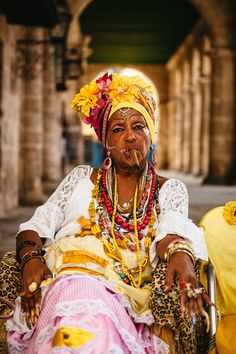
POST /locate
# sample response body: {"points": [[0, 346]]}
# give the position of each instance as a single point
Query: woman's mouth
{"points": [[132, 155]]}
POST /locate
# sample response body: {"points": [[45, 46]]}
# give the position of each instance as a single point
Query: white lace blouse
{"points": [[57, 217]]}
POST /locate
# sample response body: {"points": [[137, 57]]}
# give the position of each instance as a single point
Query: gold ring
{"points": [[32, 287], [188, 287], [199, 291], [191, 293]]}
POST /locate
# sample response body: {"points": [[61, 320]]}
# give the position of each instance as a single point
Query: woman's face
{"points": [[128, 134]]}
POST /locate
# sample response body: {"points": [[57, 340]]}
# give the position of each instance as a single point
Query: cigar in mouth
{"points": [[134, 159]]}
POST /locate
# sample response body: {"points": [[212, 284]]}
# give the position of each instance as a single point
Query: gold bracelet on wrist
{"points": [[190, 254], [180, 246]]}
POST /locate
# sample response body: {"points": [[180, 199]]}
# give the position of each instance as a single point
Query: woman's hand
{"points": [[34, 271], [180, 269]]}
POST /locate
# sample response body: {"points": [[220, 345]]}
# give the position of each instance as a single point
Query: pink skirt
{"points": [[79, 314]]}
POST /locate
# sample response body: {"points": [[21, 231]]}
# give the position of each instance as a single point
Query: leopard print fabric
{"points": [[10, 286], [166, 311], [10, 278]]}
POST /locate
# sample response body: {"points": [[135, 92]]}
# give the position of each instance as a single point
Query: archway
{"points": [[220, 20]]}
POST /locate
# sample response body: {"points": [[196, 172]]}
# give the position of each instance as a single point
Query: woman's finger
{"points": [[200, 305], [37, 301], [183, 302], [25, 306], [206, 298], [169, 279], [47, 274], [191, 307], [187, 296], [32, 309]]}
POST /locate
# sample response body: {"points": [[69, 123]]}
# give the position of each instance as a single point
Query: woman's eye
{"points": [[116, 129], [139, 127]]}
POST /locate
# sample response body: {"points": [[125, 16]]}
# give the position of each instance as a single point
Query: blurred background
{"points": [[50, 48]]}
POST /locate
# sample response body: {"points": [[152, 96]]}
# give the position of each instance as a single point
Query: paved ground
{"points": [[202, 199]]}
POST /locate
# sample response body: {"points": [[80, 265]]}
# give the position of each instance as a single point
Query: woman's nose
{"points": [[129, 136]]}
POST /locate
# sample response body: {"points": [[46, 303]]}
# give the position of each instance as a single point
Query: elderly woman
{"points": [[87, 255]]}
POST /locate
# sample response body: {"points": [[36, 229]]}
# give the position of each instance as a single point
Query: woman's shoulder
{"points": [[80, 171], [162, 180], [170, 182]]}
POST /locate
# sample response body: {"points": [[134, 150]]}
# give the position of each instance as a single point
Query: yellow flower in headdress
{"points": [[121, 90], [229, 212], [86, 99], [137, 81]]}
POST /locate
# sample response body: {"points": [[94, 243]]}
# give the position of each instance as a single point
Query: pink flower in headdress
{"points": [[104, 82]]}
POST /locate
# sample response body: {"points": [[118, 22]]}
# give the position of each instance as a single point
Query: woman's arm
{"points": [[34, 270], [177, 242], [44, 224]]}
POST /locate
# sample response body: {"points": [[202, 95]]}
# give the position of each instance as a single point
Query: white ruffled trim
{"points": [[90, 307], [17, 348], [175, 223], [114, 349], [18, 322], [148, 318]]}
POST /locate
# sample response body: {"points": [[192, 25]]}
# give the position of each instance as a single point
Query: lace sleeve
{"points": [[174, 198], [173, 219], [48, 218]]}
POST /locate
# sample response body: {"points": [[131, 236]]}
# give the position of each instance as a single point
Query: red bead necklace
{"points": [[118, 218]]}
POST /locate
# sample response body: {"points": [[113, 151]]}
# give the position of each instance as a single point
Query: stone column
{"points": [[196, 130], [187, 129], [51, 125], [32, 119], [162, 136], [178, 134], [205, 83], [222, 134], [174, 120], [171, 131]]}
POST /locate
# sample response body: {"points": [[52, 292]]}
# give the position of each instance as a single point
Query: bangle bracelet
{"points": [[180, 247], [177, 247], [30, 255], [26, 243], [179, 242], [28, 259], [190, 254]]}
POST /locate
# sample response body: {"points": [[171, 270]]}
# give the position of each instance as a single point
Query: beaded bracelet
{"points": [[30, 255], [26, 243]]}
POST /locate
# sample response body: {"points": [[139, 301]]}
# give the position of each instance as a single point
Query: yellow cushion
{"points": [[221, 243], [226, 335]]}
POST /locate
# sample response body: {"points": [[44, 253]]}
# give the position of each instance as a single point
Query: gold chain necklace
{"points": [[113, 251], [124, 268]]}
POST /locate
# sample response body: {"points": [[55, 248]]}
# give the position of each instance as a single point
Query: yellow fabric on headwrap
{"points": [[138, 107]]}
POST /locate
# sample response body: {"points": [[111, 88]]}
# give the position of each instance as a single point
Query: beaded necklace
{"points": [[108, 236]]}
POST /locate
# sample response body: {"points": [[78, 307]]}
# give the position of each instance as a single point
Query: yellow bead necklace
{"points": [[113, 250]]}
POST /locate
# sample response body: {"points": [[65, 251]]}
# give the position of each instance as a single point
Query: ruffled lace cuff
{"points": [[176, 223]]}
